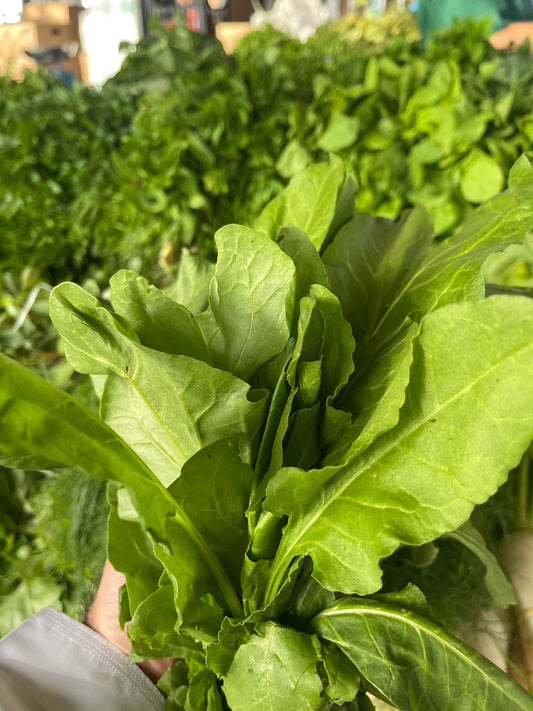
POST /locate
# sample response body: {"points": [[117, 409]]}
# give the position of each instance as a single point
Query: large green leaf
{"points": [[251, 302], [308, 203], [166, 407], [276, 668], [44, 427], [214, 489], [399, 277], [152, 627], [191, 288], [375, 401], [367, 264], [158, 320], [414, 663], [309, 267], [466, 420], [129, 549]]}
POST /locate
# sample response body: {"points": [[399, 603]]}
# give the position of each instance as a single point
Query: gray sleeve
{"points": [[52, 663]]}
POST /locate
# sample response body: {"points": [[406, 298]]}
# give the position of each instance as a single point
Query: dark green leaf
{"points": [[404, 655]]}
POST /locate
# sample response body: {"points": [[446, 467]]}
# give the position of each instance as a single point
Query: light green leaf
{"points": [[375, 400], [175, 684], [159, 322], [481, 177], [129, 548], [344, 210], [466, 420], [444, 82], [152, 630], [308, 203], [166, 407], [367, 264], [499, 587], [203, 690], [26, 599], [270, 452], [325, 337], [446, 273], [301, 448], [341, 132], [309, 267], [199, 604], [251, 302], [44, 427], [293, 159], [214, 489], [309, 380], [275, 669], [233, 634], [415, 664], [191, 288], [329, 339], [343, 677]]}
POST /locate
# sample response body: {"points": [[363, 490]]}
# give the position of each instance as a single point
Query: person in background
{"points": [[52, 663], [512, 19]]}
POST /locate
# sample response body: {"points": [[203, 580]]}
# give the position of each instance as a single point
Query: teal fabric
{"points": [[437, 14]]}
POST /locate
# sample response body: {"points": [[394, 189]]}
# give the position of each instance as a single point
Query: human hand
{"points": [[103, 618], [514, 34]]}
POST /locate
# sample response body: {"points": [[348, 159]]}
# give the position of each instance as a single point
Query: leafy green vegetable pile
{"points": [[341, 389], [54, 144], [438, 126], [185, 139], [374, 32]]}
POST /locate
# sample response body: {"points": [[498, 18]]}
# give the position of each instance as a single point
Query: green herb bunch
{"points": [[54, 144]]}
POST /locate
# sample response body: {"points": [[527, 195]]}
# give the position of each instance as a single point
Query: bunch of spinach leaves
{"points": [[343, 388]]}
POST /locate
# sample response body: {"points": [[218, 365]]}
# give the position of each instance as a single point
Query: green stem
{"points": [[277, 574], [217, 571], [233, 602]]}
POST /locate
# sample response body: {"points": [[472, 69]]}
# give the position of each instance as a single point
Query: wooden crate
{"points": [[55, 13], [229, 33], [56, 35], [14, 39]]}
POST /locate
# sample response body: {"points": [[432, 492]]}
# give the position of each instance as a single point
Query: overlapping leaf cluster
{"points": [[341, 389]]}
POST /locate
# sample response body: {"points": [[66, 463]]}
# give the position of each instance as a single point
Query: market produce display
{"points": [[367, 397], [185, 139], [285, 139]]}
